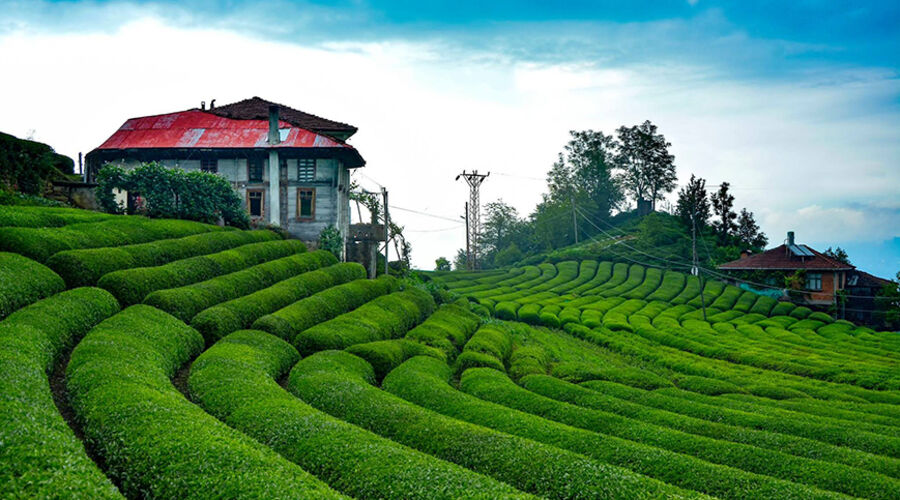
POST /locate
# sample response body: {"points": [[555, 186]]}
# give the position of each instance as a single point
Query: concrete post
{"points": [[274, 188]]}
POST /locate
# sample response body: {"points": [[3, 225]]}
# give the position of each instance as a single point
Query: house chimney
{"points": [[790, 237], [212, 104], [203, 105], [274, 137]]}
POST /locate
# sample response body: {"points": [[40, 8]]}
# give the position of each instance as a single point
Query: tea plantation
{"points": [[151, 358]]}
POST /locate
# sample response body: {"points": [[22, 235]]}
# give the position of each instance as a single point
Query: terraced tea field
{"points": [[169, 359]]}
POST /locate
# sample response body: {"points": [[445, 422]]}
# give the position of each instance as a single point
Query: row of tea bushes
{"points": [[23, 281], [86, 266], [425, 381], [289, 321], [186, 301], [41, 243], [339, 383], [490, 346], [25, 216], [448, 329], [236, 314], [386, 317], [493, 386], [131, 286], [154, 443], [236, 381], [40, 455]]}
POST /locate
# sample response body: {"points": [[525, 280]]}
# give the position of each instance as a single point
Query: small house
{"points": [[291, 168]]}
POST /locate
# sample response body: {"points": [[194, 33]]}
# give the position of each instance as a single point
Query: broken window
{"points": [[255, 203], [306, 169], [306, 203]]}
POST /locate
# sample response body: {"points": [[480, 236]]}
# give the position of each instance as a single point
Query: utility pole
{"points": [[695, 269], [574, 220], [473, 215], [387, 228]]}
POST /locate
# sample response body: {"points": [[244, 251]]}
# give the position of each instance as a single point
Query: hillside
{"points": [[172, 359]]}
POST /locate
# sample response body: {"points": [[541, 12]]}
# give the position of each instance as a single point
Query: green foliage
{"points": [[36, 439], [85, 267], [27, 200], [23, 281], [235, 380], [186, 301], [41, 243], [693, 203], [28, 166], [131, 286], [508, 256], [172, 193], [44, 216], [385, 355], [448, 329], [441, 264], [330, 239], [152, 440]]}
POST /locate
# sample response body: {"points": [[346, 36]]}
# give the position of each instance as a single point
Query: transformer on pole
{"points": [[473, 215]]}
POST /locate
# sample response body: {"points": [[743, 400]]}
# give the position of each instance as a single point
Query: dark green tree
{"points": [[748, 233], [838, 254], [330, 239], [693, 202], [460, 261], [441, 264], [722, 205], [887, 304], [649, 168], [508, 256]]}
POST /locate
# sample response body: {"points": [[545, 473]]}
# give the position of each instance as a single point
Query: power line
{"points": [[425, 214]]}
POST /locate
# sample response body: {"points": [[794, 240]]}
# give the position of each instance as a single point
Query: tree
{"points": [[591, 156], [460, 261], [441, 264], [508, 256], [748, 233], [722, 204], [330, 239], [500, 221], [838, 254], [649, 168], [693, 202], [887, 304]]}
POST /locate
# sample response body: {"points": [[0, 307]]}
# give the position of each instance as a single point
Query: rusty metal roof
{"points": [[257, 108], [783, 258]]}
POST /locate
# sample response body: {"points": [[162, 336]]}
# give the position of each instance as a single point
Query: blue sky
{"points": [[797, 104]]}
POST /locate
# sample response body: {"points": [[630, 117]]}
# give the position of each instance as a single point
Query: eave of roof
{"points": [[778, 259], [257, 108]]}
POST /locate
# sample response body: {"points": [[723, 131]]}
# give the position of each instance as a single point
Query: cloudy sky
{"points": [[796, 104]]}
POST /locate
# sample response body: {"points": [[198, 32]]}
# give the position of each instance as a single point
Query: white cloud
{"points": [[810, 147]]}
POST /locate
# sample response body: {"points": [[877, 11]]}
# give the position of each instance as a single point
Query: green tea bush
{"points": [[153, 441], [236, 314], [291, 320], [448, 329], [19, 216], [569, 315], [385, 355], [489, 385], [131, 286], [41, 243], [235, 380], [579, 371], [782, 309], [41, 457], [820, 316], [672, 284], [800, 312], [23, 281], [386, 317], [528, 360], [86, 266], [530, 313], [508, 458], [186, 301], [549, 320], [492, 339]]}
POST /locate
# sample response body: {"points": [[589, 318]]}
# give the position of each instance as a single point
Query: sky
{"points": [[795, 104]]}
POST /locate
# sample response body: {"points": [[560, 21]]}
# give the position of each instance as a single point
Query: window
{"points": [[306, 169], [256, 200], [255, 170], [306, 203], [210, 165], [814, 281]]}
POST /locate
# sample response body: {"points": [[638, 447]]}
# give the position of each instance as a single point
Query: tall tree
{"points": [[693, 202], [649, 168], [501, 220], [441, 264], [838, 254], [722, 204], [592, 158], [748, 233]]}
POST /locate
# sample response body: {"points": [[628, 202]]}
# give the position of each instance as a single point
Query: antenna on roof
{"points": [[203, 105]]}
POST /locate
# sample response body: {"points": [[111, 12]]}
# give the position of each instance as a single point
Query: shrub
{"points": [[530, 313], [577, 371], [385, 317], [492, 339], [186, 301], [131, 286], [820, 316], [549, 320], [569, 315], [41, 243], [36, 440], [86, 266], [385, 355], [506, 310], [448, 329], [235, 380], [23, 281], [153, 441], [528, 360], [510, 459], [294, 318], [800, 312], [19, 216], [782, 309]]}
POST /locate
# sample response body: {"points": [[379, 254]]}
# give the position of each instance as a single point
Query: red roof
{"points": [[257, 108], [200, 129], [781, 258]]}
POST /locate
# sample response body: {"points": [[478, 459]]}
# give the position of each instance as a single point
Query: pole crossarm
{"points": [[473, 215]]}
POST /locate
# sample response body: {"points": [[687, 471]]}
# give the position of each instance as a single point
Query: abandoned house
{"points": [[291, 168]]}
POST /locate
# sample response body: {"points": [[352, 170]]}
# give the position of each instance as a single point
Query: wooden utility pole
{"points": [[387, 227]]}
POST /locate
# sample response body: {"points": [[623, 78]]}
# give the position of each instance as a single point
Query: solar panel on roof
{"points": [[801, 251]]}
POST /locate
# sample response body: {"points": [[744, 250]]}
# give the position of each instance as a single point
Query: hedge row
{"points": [[386, 317], [235, 380], [448, 329], [425, 382], [528, 360], [23, 281], [40, 243], [490, 346], [608, 400], [289, 321], [339, 383], [236, 314], [495, 387], [577, 371], [153, 441], [86, 266], [40, 457], [21, 216], [186, 301], [131, 286]]}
